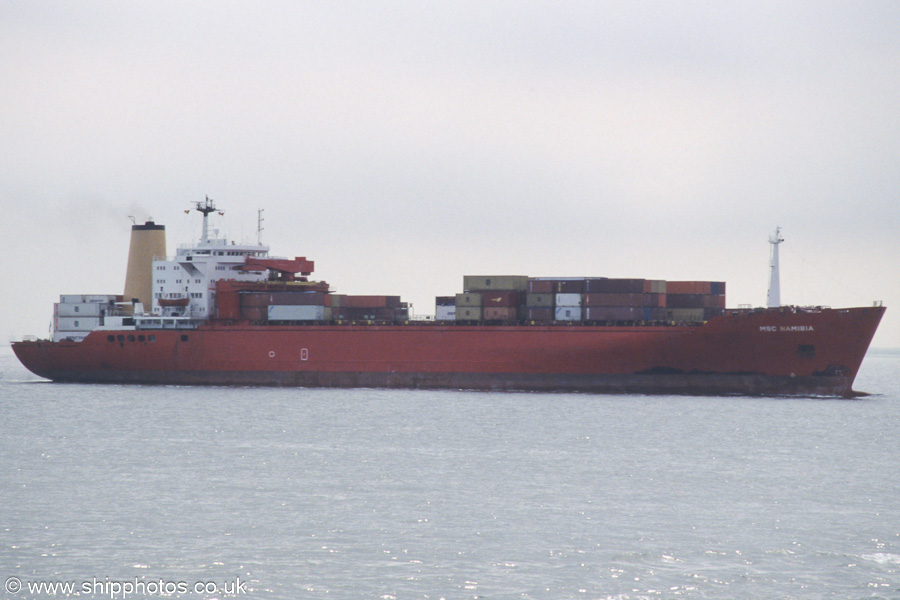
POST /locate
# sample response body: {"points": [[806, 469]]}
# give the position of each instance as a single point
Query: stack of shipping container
{"points": [[518, 298], [695, 300], [492, 299], [310, 303]]}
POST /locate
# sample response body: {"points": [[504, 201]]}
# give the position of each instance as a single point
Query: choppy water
{"points": [[295, 494]]}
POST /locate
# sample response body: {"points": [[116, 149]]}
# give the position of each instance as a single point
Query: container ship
{"points": [[221, 313]]}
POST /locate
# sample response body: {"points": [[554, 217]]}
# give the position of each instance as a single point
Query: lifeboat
{"points": [[174, 301]]}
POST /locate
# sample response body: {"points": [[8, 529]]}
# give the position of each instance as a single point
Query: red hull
{"points": [[771, 352]]}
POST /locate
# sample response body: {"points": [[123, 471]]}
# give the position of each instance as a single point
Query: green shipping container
{"points": [[506, 283], [468, 313], [469, 300], [685, 315], [540, 300]]}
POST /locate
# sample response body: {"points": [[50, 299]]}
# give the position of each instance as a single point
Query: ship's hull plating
{"points": [[784, 352]]}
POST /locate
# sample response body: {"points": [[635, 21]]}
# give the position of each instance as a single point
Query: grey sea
{"points": [[115, 492]]}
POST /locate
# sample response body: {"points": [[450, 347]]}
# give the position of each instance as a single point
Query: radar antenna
{"points": [[259, 226], [206, 207], [774, 297]]}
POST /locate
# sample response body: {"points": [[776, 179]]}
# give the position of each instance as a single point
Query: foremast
{"points": [[773, 299]]}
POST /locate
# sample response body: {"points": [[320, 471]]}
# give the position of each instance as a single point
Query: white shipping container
{"points": [[100, 298], [296, 313], [445, 313], [77, 323], [83, 298], [64, 309], [568, 300], [567, 313]]}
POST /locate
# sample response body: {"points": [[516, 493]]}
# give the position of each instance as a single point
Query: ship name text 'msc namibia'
{"points": [[223, 313]]}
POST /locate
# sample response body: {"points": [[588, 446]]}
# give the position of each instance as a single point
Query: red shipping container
{"points": [[499, 313], [500, 299], [255, 313], [680, 287], [616, 299], [228, 304], [688, 287], [254, 299], [372, 301], [541, 286]]}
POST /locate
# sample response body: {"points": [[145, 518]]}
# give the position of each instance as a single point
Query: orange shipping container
{"points": [[372, 301], [688, 287]]}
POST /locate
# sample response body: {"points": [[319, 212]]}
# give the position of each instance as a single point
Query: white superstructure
{"points": [[184, 285]]}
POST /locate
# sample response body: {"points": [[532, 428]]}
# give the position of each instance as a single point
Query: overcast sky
{"points": [[402, 145]]}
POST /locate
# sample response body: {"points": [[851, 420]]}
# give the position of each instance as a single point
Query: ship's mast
{"points": [[774, 297], [206, 207], [259, 226]]}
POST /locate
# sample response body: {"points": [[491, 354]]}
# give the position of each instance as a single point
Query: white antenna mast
{"points": [[259, 226], [774, 297]]}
